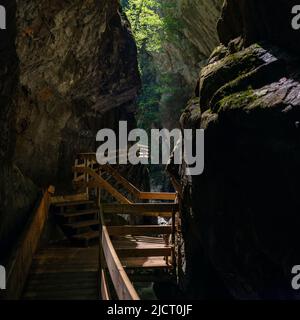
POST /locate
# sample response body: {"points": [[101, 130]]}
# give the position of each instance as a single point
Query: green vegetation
{"points": [[154, 24], [146, 23], [237, 100]]}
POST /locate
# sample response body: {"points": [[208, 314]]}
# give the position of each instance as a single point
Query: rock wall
{"points": [[68, 69], [196, 38], [17, 193], [185, 50], [256, 20], [240, 219], [78, 74]]}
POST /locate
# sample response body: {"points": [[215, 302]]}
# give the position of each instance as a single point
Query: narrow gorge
{"points": [[231, 68]]}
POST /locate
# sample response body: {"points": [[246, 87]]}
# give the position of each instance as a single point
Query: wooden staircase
{"points": [[78, 220], [82, 267], [133, 248]]}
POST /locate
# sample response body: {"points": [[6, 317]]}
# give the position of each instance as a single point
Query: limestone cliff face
{"points": [[259, 21], [68, 69], [186, 51], [240, 219], [17, 193], [196, 39], [78, 74]]}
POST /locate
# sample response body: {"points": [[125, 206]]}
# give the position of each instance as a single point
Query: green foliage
{"points": [[146, 23], [172, 25], [154, 23]]}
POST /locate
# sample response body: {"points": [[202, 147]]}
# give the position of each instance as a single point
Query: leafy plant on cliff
{"points": [[154, 24], [146, 23]]}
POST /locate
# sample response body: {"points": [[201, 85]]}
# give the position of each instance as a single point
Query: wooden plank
{"points": [[77, 213], [139, 230], [73, 203], [63, 272], [122, 284], [68, 198], [104, 287], [146, 263], [144, 252], [141, 246], [82, 224], [157, 196], [141, 209], [20, 262]]}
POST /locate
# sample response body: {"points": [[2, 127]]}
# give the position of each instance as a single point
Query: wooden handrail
{"points": [[133, 190], [102, 183], [122, 284], [20, 262]]}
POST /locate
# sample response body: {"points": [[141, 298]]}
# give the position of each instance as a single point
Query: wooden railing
{"points": [[109, 260], [87, 172], [89, 162], [21, 259]]}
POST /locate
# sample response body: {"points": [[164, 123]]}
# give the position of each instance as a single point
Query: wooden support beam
{"points": [[157, 196], [141, 209], [139, 230]]}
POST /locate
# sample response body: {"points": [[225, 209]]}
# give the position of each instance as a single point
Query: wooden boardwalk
{"points": [[62, 272], [102, 256]]}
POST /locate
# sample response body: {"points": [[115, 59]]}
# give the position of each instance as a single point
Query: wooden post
{"points": [[101, 261], [99, 192], [174, 240], [86, 176], [102, 265], [75, 172]]}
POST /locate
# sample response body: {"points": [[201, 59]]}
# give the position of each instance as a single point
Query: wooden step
{"points": [[86, 236], [141, 247], [142, 209], [146, 263], [60, 272], [160, 278], [139, 230], [73, 203], [68, 198], [77, 213], [82, 224]]}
